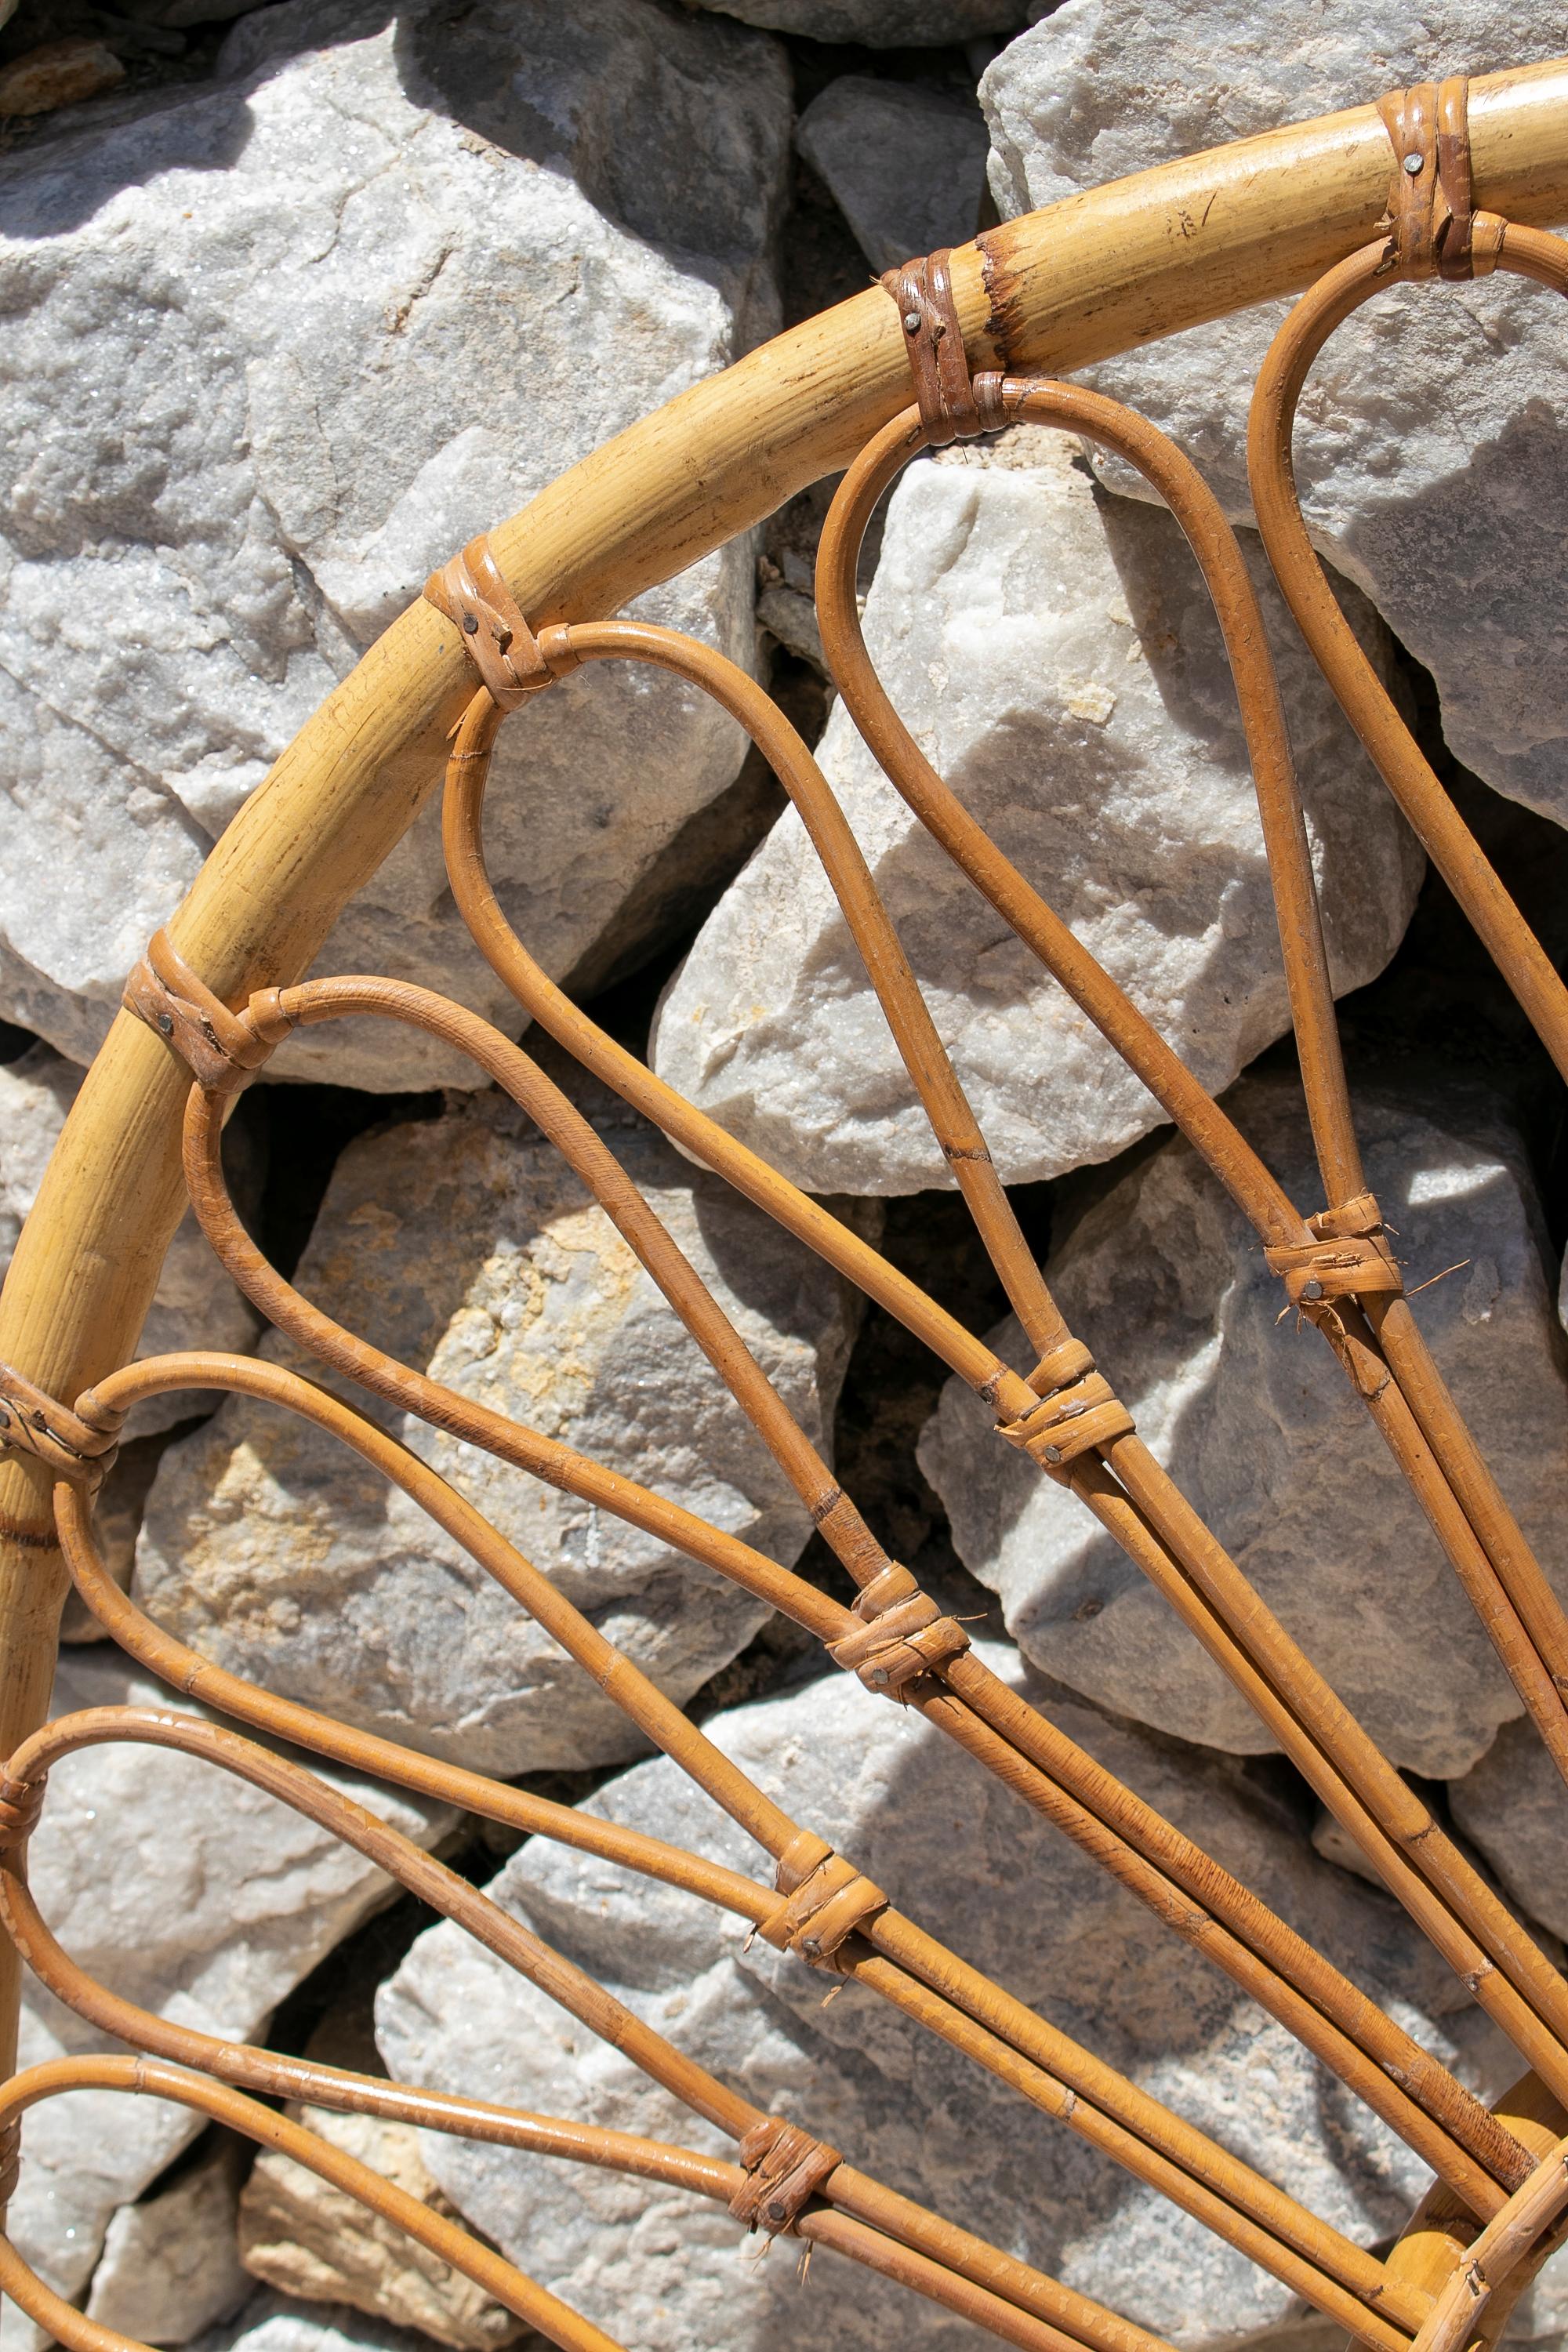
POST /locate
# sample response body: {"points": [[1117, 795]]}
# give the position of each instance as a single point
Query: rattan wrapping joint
{"points": [[223, 1050], [905, 1635], [21, 1803], [80, 1445], [1434, 230], [1080, 1413], [10, 2158], [511, 662], [784, 2169], [1349, 1257], [954, 405], [825, 1900]]}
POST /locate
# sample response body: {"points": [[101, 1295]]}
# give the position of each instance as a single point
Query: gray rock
{"points": [[1054, 654], [273, 2323], [1259, 1427], [193, 1895], [196, 1305], [281, 344], [989, 1878], [1429, 455], [1513, 1806], [906, 164], [464, 1245], [169, 2266], [300, 2234], [879, 24]]}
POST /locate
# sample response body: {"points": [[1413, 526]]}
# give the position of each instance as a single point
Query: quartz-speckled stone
{"points": [[1430, 451], [278, 344], [1259, 1428], [669, 2273], [463, 1246], [193, 1895], [1056, 657]]}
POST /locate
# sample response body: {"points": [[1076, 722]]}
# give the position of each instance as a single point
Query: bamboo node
{"points": [[79, 1446], [511, 662], [784, 2169], [825, 1900], [21, 1803], [905, 1635], [223, 1050]]}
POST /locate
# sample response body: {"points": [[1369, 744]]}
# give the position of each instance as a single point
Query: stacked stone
{"points": [[299, 297]]}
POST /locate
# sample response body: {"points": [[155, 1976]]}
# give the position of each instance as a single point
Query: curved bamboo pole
{"points": [[1099, 273]]}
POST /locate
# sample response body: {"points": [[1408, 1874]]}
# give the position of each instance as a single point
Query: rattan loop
{"points": [[905, 1636], [784, 2169], [80, 1445], [222, 1049], [511, 662]]}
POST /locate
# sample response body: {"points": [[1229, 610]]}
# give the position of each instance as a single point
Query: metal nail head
{"points": [[1413, 166]]}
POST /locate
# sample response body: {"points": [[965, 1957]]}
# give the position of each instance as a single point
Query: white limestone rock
{"points": [[463, 1246], [279, 345], [275, 2323], [670, 2273], [879, 24], [905, 163], [1428, 451], [1259, 1428], [193, 1895], [196, 1305], [1055, 655], [171, 2266]]}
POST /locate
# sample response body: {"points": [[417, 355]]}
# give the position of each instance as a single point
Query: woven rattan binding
{"points": [[1336, 1267]]}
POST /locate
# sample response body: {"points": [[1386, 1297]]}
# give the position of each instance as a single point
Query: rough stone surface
{"points": [[195, 1895], [879, 24], [170, 2267], [906, 164], [1513, 1806], [300, 2234], [1260, 1430], [196, 1305], [56, 74], [1056, 657], [988, 1877], [1428, 450], [465, 1247], [278, 347], [272, 2323]]}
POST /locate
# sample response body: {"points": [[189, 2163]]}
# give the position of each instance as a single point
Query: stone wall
{"points": [[298, 297]]}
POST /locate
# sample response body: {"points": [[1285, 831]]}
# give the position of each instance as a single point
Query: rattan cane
{"points": [[216, 994]]}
